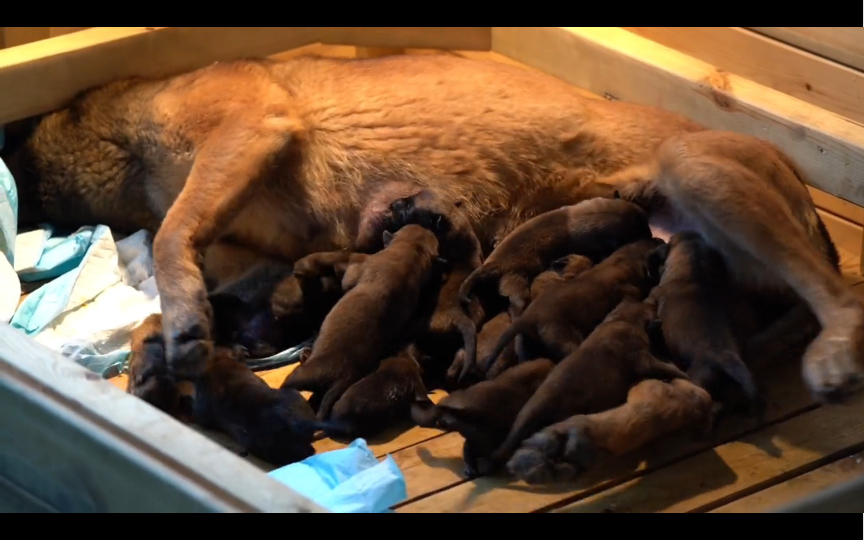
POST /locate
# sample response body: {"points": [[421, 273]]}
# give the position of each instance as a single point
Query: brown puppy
{"points": [[149, 378], [291, 153], [275, 425], [562, 317], [365, 325], [483, 414], [593, 228], [596, 377], [382, 398], [559, 271], [560, 452], [487, 339], [694, 303]]}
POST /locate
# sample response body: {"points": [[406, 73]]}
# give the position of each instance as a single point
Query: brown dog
{"points": [[288, 155], [484, 413], [382, 398], [593, 228], [596, 377], [695, 304], [560, 319], [559, 271], [367, 323], [560, 452]]}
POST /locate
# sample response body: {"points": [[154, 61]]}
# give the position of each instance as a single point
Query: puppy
{"points": [[694, 303], [366, 325], [149, 378], [275, 425], [559, 271], [596, 377], [274, 307], [594, 228], [560, 318], [483, 414], [382, 398], [487, 339]]}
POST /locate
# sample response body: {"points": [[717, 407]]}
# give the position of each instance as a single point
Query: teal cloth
{"points": [[8, 212], [350, 480]]}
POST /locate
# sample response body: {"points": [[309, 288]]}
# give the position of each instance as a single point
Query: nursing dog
{"points": [[279, 159], [367, 324], [484, 413], [559, 320], [595, 377]]}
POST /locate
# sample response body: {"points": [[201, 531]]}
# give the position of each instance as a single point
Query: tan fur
{"points": [[281, 157]]}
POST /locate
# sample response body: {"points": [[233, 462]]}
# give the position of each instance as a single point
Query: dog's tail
{"points": [[517, 327], [469, 337], [484, 276]]}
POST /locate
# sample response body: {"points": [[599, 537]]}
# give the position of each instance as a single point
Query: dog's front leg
{"points": [[227, 167]]}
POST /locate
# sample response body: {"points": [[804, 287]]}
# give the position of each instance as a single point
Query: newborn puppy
{"points": [[594, 228], [148, 371], [382, 398], [487, 339], [272, 307], [561, 317], [483, 414], [274, 425], [596, 377], [443, 323], [559, 271], [694, 300], [367, 324]]}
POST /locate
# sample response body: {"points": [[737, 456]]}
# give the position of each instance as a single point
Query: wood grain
{"points": [[796, 489], [844, 44], [612, 62]]}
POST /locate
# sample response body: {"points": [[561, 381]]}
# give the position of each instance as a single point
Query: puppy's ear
{"points": [[616, 194], [388, 237], [559, 265]]}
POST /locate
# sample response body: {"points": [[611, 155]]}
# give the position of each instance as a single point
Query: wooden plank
{"points": [[847, 498], [767, 61], [844, 44], [798, 488], [378, 52], [839, 207], [96, 441], [55, 31], [612, 62], [41, 76], [711, 478], [785, 395], [13, 36], [474, 38]]}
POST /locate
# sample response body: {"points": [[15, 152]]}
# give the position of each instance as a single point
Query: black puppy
{"points": [[561, 317], [483, 414], [383, 398]]}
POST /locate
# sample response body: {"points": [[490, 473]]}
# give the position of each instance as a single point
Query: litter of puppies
{"points": [[577, 313]]}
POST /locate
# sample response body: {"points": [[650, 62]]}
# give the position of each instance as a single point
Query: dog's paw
{"points": [[832, 364], [189, 349], [558, 453]]}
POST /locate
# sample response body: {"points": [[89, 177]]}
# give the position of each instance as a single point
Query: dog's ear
{"points": [[559, 265], [388, 237]]}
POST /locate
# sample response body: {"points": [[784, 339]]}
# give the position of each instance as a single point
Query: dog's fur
{"points": [[695, 305], [596, 377], [279, 159], [275, 425], [367, 324], [654, 408], [559, 320], [484, 413], [559, 271], [593, 228], [382, 398]]}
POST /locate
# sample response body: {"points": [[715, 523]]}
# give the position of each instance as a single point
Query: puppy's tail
{"points": [[483, 276], [518, 326], [469, 337]]}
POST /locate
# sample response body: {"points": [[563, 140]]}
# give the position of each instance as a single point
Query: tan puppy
{"points": [[594, 378], [367, 323], [559, 271], [561, 318]]}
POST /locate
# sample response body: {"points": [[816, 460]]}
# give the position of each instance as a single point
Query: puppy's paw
{"points": [[832, 364], [559, 453]]}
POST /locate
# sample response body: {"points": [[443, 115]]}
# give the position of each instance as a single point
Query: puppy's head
{"points": [[690, 256], [412, 235], [571, 265]]}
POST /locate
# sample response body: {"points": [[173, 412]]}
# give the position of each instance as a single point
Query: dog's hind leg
{"points": [[750, 215], [227, 169]]}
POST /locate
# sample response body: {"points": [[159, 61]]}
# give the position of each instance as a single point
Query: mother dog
{"points": [[284, 158]]}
